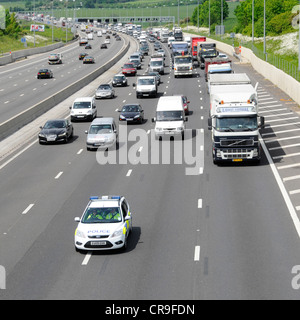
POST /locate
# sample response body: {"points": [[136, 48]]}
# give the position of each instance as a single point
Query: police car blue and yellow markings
{"points": [[103, 217]]}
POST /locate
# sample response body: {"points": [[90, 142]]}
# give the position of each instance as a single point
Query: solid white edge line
{"points": [[284, 192], [59, 175]]}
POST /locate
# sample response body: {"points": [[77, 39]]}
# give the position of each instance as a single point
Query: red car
{"points": [[185, 102], [129, 69]]}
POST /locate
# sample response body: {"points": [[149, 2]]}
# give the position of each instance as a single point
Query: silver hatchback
{"points": [[102, 134], [105, 91]]}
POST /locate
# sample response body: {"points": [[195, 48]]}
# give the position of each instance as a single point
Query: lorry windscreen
{"points": [[183, 60], [236, 124]]}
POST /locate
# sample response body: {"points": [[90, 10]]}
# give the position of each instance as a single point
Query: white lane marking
{"points": [[86, 258], [80, 151], [284, 192], [28, 208], [197, 253], [129, 173], [199, 203], [59, 175]]}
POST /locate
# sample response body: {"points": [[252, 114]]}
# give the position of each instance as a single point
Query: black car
{"points": [[132, 113], [82, 56], [119, 80], [60, 130], [88, 46], [103, 46], [44, 73]]}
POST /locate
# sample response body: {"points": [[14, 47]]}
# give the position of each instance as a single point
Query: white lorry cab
{"points": [[170, 117], [235, 124], [183, 66]]}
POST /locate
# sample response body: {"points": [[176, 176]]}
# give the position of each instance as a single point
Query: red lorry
{"points": [[194, 42]]}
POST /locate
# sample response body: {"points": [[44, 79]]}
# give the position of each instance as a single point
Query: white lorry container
{"points": [[219, 79], [90, 36], [234, 123], [183, 66], [146, 86], [170, 118]]}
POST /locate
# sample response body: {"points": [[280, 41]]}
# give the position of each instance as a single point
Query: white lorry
{"points": [[183, 66], [218, 79], [235, 123]]}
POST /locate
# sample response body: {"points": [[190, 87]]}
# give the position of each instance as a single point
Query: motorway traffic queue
{"points": [[107, 221]]}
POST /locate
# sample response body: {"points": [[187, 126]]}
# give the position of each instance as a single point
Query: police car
{"points": [[104, 225]]}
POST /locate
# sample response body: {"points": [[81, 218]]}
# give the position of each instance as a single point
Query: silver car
{"points": [[105, 91], [102, 134]]}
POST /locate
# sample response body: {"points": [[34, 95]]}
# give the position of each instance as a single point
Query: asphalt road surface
{"points": [[200, 231]]}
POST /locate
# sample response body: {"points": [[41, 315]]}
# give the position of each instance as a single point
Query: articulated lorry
{"points": [[208, 62], [235, 123], [225, 79]]}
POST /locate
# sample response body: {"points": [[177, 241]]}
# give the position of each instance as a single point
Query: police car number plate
{"points": [[98, 243]]}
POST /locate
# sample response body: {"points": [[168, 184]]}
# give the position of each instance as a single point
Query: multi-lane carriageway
{"points": [[225, 232]]}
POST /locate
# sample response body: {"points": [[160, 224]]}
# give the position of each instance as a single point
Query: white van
{"points": [[83, 109], [169, 120], [90, 36], [99, 34]]}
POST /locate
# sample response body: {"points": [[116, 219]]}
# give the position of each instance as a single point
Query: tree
{"points": [[215, 13]]}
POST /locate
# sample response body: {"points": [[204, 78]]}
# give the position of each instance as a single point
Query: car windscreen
{"points": [[130, 108], [169, 115], [82, 105], [119, 78], [102, 215], [104, 87], [55, 125], [100, 129], [128, 66]]}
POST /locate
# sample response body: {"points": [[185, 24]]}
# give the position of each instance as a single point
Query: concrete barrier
{"points": [[16, 55], [15, 123]]}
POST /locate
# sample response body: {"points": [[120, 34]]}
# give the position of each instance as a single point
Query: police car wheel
{"points": [[125, 244]]}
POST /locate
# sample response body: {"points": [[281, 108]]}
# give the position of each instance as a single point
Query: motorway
{"points": [[200, 231]]}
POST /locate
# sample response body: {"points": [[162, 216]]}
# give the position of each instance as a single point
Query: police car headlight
{"points": [[80, 234], [117, 233]]}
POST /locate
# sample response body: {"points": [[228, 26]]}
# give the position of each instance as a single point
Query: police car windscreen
{"points": [[102, 215]]}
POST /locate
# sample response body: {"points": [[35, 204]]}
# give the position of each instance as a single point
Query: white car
{"points": [[105, 224], [107, 41]]}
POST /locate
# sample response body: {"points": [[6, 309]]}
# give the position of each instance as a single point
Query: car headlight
{"points": [[121, 116], [62, 134], [137, 116], [179, 128], [41, 135], [80, 234], [117, 233]]}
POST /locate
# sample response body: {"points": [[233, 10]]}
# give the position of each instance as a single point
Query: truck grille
{"points": [[236, 142], [183, 68], [237, 153]]}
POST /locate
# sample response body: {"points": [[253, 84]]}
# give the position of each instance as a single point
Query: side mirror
{"points": [[77, 219], [41, 127], [70, 108], [209, 123], [86, 132], [153, 119], [262, 122], [186, 119], [134, 85]]}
